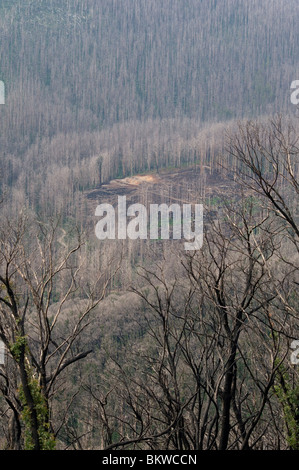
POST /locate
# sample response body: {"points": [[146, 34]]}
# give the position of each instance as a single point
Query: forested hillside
{"points": [[138, 343], [131, 82]]}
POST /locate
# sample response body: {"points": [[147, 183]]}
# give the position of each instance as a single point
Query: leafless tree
{"points": [[46, 305]]}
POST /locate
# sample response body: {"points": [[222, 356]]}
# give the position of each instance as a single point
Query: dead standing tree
{"points": [[38, 279], [267, 156], [204, 371]]}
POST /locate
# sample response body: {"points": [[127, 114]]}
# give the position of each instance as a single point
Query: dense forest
{"points": [[129, 82], [140, 344]]}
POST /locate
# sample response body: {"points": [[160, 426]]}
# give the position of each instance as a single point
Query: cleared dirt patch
{"points": [[176, 185], [139, 179]]}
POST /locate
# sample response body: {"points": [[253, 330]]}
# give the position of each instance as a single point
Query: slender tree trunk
{"points": [[227, 399], [29, 401], [14, 430]]}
